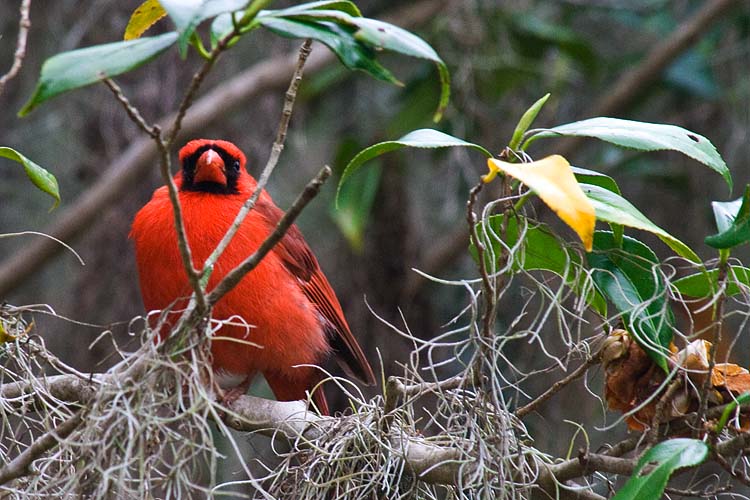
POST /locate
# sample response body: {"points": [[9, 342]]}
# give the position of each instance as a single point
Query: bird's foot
{"points": [[232, 394]]}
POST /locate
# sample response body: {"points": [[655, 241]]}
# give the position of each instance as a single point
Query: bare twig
{"points": [[488, 288], [182, 242], [20, 465], [234, 276], [278, 146], [661, 411], [132, 111], [23, 32], [154, 131], [738, 475], [718, 318], [557, 386], [396, 389]]}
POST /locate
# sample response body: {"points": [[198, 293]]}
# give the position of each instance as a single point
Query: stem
{"points": [[19, 466], [252, 11], [197, 43], [557, 386], [182, 242], [23, 33], [718, 319]]}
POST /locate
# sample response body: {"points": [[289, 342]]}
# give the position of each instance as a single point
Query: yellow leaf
{"points": [[553, 181], [143, 18], [5, 336]]}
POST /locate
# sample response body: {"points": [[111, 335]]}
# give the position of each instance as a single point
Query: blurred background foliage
{"points": [[405, 210]]}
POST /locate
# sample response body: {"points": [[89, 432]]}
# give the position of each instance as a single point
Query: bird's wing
{"points": [[300, 261]]}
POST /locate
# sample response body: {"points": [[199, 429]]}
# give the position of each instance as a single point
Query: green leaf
{"points": [[39, 176], [340, 5], [363, 36], [188, 15], [381, 35], [351, 53], [586, 176], [525, 122], [355, 206], [78, 68], [706, 284], [540, 250], [613, 208], [733, 222], [422, 138], [625, 275], [731, 407], [222, 25], [644, 137], [665, 458]]}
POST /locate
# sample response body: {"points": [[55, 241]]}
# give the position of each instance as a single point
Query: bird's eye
{"points": [[236, 165]]}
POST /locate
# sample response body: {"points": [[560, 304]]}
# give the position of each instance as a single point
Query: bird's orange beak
{"points": [[210, 168]]}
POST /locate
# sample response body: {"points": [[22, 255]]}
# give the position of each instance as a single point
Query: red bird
{"points": [[292, 308]]}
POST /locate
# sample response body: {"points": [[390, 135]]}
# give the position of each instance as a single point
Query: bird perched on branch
{"points": [[295, 316]]}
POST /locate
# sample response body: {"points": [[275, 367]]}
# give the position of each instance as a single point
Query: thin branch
{"points": [[740, 476], [19, 466], [661, 411], [23, 33], [557, 386], [718, 318], [396, 389], [154, 131], [132, 111], [179, 222], [276, 149], [233, 277], [588, 463], [734, 445]]}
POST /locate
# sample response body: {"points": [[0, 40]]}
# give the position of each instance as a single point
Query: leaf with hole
{"points": [[644, 137], [422, 138], [732, 221], [82, 67], [627, 276], [663, 460], [40, 177], [613, 208], [553, 181]]}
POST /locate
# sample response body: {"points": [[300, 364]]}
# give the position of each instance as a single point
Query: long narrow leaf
{"points": [[644, 137]]}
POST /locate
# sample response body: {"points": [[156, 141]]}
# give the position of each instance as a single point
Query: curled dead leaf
{"points": [[631, 378]]}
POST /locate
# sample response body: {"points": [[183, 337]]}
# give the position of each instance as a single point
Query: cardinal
{"points": [[293, 313]]}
